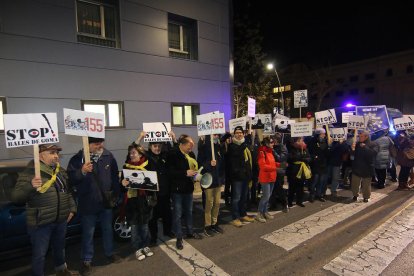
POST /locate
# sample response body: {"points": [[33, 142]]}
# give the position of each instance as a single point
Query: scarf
{"points": [[45, 168]]}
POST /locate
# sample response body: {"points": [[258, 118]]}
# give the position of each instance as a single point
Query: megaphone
{"points": [[205, 179]]}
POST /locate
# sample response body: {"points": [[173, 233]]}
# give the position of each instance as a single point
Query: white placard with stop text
{"points": [[357, 122], [338, 133], [325, 117], [251, 107], [211, 123], [157, 132], [301, 129], [30, 129], [345, 116], [233, 123], [406, 122], [84, 123]]}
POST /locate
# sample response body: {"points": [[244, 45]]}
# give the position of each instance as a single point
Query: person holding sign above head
{"points": [[139, 203], [50, 206], [363, 154], [181, 169], [97, 185]]}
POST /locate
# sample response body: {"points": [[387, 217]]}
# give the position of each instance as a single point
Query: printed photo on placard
{"points": [[143, 180]]}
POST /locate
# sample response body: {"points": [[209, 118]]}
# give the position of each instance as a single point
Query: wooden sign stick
{"points": [[328, 135], [36, 160], [355, 135], [86, 149], [213, 155]]}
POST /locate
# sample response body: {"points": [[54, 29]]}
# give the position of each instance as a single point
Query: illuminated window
{"points": [[182, 37], [2, 111], [287, 87], [184, 114], [113, 111], [97, 22]]}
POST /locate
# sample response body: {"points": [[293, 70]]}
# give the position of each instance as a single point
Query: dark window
{"points": [[370, 76], [409, 69], [354, 91], [182, 37], [369, 90], [2, 111], [184, 114], [339, 93], [98, 23], [113, 111], [354, 78], [389, 72]]}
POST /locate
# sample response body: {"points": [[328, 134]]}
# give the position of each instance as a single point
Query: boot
{"points": [[66, 272], [403, 186]]}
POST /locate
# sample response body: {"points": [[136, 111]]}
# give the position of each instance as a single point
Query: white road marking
{"points": [[372, 254], [190, 260], [296, 233]]}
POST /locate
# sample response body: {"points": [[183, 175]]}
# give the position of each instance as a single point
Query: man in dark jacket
{"points": [[363, 154], [181, 168], [96, 182], [50, 206]]}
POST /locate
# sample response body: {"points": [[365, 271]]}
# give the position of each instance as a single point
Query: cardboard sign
{"points": [[263, 121], [283, 123], [30, 129], [233, 123], [83, 123], [345, 116], [301, 129], [251, 107], [339, 133], [406, 122], [357, 122], [300, 98], [211, 123], [142, 180], [325, 117], [377, 117], [157, 132]]}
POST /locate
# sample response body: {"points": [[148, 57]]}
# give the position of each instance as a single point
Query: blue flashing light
{"points": [[349, 105]]}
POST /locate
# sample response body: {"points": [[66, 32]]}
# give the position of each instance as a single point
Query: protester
{"points": [[97, 185], [363, 154], [382, 159], [50, 206], [225, 143], [339, 149], [181, 168], [405, 158]]}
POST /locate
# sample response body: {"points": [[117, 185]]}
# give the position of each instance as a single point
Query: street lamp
{"points": [[270, 66]]}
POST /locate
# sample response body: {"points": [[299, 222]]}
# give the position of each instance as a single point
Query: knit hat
{"points": [[320, 130], [238, 128], [225, 137], [95, 140]]}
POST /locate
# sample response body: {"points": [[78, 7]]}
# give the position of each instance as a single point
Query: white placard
{"points": [[157, 132], [300, 98], [345, 116], [210, 123], [142, 180], [283, 123], [325, 117], [30, 129], [251, 107], [406, 122], [233, 123], [357, 122], [83, 123], [263, 121], [301, 129], [338, 133]]}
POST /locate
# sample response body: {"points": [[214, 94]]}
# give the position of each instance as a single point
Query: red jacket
{"points": [[267, 165]]}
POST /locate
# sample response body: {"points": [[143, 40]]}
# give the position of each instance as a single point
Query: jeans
{"points": [[239, 191], [140, 236], [335, 174], [161, 210], [40, 237], [183, 205], [88, 223], [318, 184], [267, 189]]}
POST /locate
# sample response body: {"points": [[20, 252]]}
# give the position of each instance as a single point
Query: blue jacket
{"points": [[90, 200]]}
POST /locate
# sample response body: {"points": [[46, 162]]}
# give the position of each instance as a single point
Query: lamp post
{"points": [[269, 67]]}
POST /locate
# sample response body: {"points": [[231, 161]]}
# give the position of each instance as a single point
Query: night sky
{"points": [[335, 33]]}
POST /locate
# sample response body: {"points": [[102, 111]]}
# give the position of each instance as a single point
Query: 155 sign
{"points": [[82, 123], [211, 123]]}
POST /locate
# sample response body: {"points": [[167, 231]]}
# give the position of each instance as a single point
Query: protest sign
{"points": [[263, 121], [283, 123], [357, 122], [233, 123], [211, 123], [251, 107], [377, 117], [157, 132], [339, 133], [325, 117], [345, 116], [83, 123], [301, 129], [142, 180], [406, 122], [300, 98]]}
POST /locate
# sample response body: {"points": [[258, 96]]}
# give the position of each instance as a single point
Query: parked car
{"points": [[14, 240]]}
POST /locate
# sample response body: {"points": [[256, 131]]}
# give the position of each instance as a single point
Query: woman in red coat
{"points": [[267, 177]]}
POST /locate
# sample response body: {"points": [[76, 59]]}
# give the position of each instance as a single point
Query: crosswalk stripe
{"points": [[372, 254], [189, 259], [296, 233]]}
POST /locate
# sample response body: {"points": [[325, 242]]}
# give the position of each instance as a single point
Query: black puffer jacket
{"points": [[177, 166], [54, 205], [364, 158], [241, 170]]}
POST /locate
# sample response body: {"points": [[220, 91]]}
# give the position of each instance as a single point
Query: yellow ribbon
{"points": [[303, 170], [133, 192], [248, 157], [192, 163], [52, 180]]}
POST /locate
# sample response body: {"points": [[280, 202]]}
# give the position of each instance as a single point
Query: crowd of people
{"points": [[245, 166]]}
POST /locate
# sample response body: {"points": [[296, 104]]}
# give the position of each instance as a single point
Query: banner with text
{"points": [[157, 132], [251, 107], [30, 129], [357, 122], [83, 123], [406, 122], [301, 129], [210, 123], [377, 117], [300, 98], [325, 117], [233, 123], [345, 116], [338, 133]]}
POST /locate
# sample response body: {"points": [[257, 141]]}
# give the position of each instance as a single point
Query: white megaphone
{"points": [[205, 179]]}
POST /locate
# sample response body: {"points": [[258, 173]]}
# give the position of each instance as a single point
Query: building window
{"points": [[353, 78], [182, 37], [369, 90], [339, 93], [184, 114], [2, 111], [113, 111], [354, 92], [389, 72], [409, 69], [97, 22], [370, 76]]}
